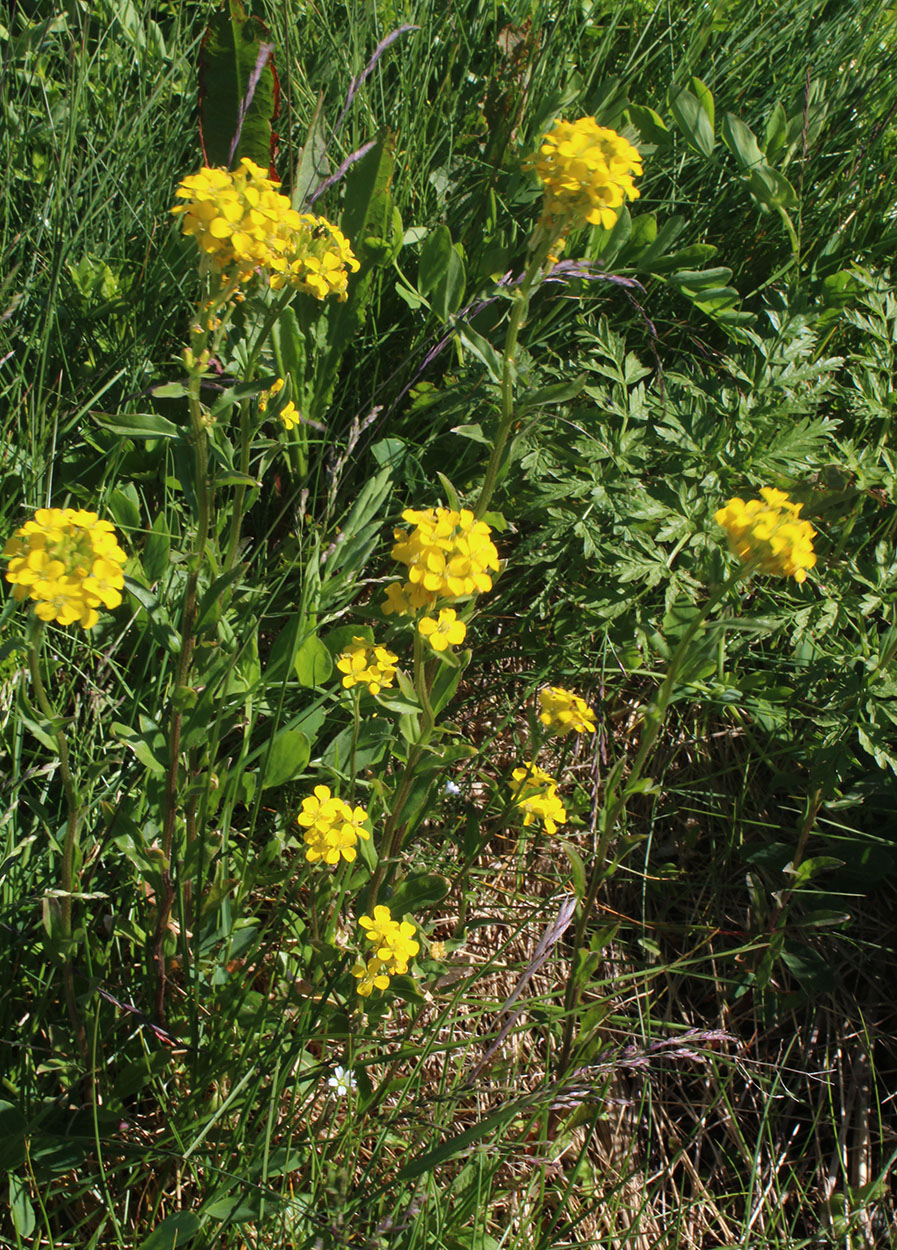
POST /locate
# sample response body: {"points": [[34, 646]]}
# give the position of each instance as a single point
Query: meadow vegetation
{"points": [[448, 650]]}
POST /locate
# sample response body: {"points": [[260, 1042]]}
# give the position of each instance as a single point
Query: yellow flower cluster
{"points": [[769, 534], [394, 946], [563, 712], [242, 223], [587, 171], [332, 827], [69, 562], [535, 793], [365, 663], [448, 553], [321, 260]]}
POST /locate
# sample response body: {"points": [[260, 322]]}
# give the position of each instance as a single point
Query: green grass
{"points": [[704, 1058]]}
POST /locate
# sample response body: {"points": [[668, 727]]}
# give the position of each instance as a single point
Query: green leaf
{"points": [[20, 1207], [435, 254], [149, 748], [771, 189], [483, 350], [418, 893], [124, 506], [157, 549], [812, 971], [12, 1137], [238, 89], [775, 133], [174, 1233], [693, 120], [559, 393], [288, 757], [741, 142], [338, 639], [138, 425], [312, 662], [703, 95], [650, 125], [160, 623], [669, 232]]}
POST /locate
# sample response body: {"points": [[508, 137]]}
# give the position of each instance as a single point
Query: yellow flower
{"points": [[364, 662], [769, 535], [332, 827], [394, 946], [535, 793], [69, 562], [563, 712], [371, 976], [289, 415], [448, 552], [587, 171], [446, 632]]}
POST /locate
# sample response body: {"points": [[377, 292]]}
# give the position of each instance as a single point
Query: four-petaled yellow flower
{"points": [[535, 793], [365, 663], [320, 260], [587, 171], [394, 946], [769, 535], [563, 712], [332, 827], [69, 562], [445, 632]]}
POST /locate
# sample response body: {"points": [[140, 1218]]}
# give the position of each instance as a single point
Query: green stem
{"points": [[616, 799], [392, 834], [517, 319], [73, 806], [182, 673]]}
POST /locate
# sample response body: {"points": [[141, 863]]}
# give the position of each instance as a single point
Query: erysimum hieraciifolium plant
{"points": [[769, 537], [586, 172], [249, 238], [68, 563]]}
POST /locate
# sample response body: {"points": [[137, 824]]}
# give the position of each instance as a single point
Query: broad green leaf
{"points": [[698, 279], [483, 350], [20, 1207], [150, 749], [650, 125], [435, 254], [174, 1233], [742, 143], [771, 189], [448, 295], [658, 249], [12, 1137], [418, 893], [312, 662], [289, 754], [238, 89], [693, 120], [686, 258], [338, 639], [313, 164], [138, 425]]}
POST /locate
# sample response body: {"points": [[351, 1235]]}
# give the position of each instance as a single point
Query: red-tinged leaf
{"points": [[238, 89]]}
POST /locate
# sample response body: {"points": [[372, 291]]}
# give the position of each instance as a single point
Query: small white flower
{"points": [[452, 788], [342, 1081]]}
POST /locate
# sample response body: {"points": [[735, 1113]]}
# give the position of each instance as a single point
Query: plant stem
{"points": [[518, 317], [618, 794], [392, 834], [73, 805], [182, 673]]}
